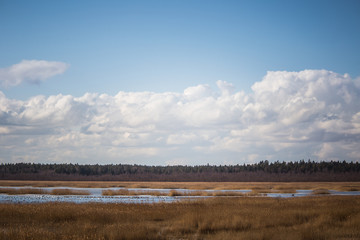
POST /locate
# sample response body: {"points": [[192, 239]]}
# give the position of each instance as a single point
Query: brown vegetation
{"points": [[14, 191], [171, 193], [68, 192], [127, 192], [320, 191], [325, 217], [174, 193], [286, 187]]}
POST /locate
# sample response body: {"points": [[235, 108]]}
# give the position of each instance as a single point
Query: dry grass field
{"points": [[130, 193], [287, 187], [173, 193], [325, 217], [12, 191]]}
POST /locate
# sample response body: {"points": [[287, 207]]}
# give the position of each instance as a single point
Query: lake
{"points": [[95, 195]]}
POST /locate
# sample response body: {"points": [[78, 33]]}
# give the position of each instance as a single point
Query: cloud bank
{"points": [[31, 71], [288, 116]]}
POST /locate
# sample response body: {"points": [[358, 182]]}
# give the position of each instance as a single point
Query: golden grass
{"points": [[285, 187], [127, 192], [13, 191], [69, 192], [78, 184], [326, 217], [320, 191], [174, 193]]}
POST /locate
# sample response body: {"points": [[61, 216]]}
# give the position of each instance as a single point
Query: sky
{"points": [[179, 82]]}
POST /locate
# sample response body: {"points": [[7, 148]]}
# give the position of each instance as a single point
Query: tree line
{"points": [[261, 171]]}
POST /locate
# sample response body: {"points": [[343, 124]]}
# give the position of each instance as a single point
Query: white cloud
{"points": [[197, 92], [178, 161], [225, 87], [288, 116], [31, 71], [181, 138]]}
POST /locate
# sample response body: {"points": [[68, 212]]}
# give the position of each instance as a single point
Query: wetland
{"points": [[173, 210]]}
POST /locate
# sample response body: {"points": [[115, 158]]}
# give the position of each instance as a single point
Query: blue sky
{"points": [[170, 45], [201, 49]]}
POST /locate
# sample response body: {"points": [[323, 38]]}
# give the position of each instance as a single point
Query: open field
{"points": [[12, 191], [127, 192], [286, 187], [326, 217], [173, 193]]}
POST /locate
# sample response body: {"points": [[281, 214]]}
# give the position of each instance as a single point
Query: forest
{"points": [[262, 171]]}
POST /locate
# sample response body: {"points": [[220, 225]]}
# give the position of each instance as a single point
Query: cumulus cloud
{"points": [[225, 87], [288, 116], [31, 71]]}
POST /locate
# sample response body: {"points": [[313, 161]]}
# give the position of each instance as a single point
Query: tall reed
{"points": [[213, 218]]}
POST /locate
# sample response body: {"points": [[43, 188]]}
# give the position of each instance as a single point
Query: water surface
{"points": [[95, 195]]}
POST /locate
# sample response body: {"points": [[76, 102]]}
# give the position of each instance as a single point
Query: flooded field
{"points": [[98, 210], [139, 195]]}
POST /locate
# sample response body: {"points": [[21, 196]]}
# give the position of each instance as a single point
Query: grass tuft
{"points": [[174, 193], [320, 191], [68, 192], [14, 191], [126, 192]]}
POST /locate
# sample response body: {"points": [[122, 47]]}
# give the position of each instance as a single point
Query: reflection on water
{"points": [[96, 195]]}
